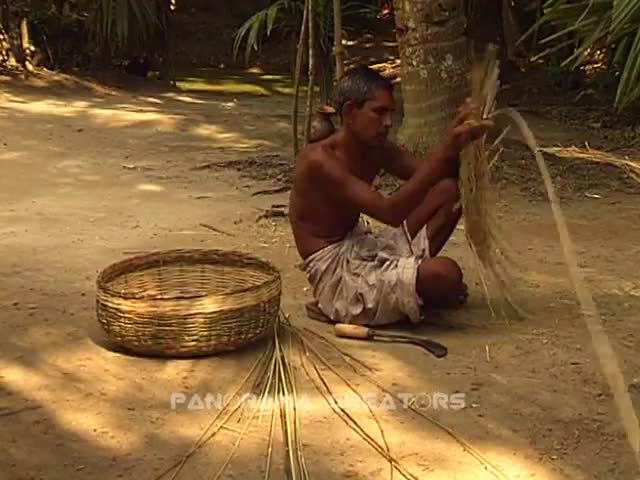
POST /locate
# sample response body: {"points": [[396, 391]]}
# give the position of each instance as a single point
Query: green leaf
{"points": [[145, 15], [587, 44], [553, 13], [622, 51], [263, 23], [624, 12], [122, 22], [272, 13], [628, 86], [555, 48], [568, 30], [135, 15], [106, 19], [242, 31], [253, 40], [574, 11], [116, 20]]}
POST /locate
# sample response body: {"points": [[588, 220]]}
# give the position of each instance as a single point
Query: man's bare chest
{"points": [[366, 173]]}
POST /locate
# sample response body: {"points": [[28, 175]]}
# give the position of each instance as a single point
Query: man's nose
{"points": [[386, 120]]}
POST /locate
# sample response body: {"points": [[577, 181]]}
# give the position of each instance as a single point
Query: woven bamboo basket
{"points": [[188, 302]]}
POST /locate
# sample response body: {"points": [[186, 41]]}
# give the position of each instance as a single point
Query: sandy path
{"points": [[86, 178]]}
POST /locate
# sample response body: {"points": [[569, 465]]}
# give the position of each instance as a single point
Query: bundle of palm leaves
{"points": [[495, 259], [483, 232]]}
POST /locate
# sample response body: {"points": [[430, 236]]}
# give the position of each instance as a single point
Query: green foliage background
{"points": [[72, 33]]}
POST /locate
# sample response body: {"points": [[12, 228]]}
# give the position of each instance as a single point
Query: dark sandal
{"points": [[314, 313]]}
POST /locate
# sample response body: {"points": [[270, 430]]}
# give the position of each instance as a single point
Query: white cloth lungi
{"points": [[369, 278]]}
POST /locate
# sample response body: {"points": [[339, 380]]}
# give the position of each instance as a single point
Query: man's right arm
{"points": [[395, 209]]}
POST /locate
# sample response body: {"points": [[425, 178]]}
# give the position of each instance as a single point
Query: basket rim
{"points": [[148, 260]]}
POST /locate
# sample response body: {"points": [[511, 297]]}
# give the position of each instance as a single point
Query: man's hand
{"points": [[467, 127]]}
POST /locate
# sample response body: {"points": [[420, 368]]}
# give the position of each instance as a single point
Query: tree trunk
{"points": [[25, 45], [324, 68], [10, 40], [311, 68], [168, 70], [435, 66], [512, 31], [302, 41], [337, 36], [6, 55]]}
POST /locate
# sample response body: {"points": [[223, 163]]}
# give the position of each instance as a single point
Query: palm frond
{"points": [[570, 29], [628, 90], [625, 12], [114, 21], [597, 35], [262, 23], [283, 13], [122, 22], [591, 24]]}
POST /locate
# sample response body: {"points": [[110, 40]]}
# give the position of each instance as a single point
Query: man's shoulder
{"points": [[316, 158]]}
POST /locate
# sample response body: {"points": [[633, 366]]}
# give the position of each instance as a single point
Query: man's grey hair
{"points": [[358, 85]]}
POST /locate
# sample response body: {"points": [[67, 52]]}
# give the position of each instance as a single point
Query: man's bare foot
{"points": [[455, 298], [440, 283], [463, 294]]}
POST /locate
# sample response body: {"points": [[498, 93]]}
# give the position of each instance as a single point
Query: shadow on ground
{"points": [[86, 178]]}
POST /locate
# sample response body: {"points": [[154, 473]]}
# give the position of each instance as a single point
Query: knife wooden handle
{"points": [[352, 331]]}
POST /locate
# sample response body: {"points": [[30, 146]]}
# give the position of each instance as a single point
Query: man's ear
{"points": [[347, 110]]}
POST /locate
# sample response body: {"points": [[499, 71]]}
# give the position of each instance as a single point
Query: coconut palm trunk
{"points": [[435, 62]]}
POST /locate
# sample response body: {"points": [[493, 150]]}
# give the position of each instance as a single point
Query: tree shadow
{"points": [[528, 386]]}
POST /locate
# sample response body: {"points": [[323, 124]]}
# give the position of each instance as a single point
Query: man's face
{"points": [[372, 123]]}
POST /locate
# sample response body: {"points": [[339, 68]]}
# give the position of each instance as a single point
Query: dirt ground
{"points": [[89, 177]]}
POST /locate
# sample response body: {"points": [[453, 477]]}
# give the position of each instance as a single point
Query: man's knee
{"points": [[438, 277]]}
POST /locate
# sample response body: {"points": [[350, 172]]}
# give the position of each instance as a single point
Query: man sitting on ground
{"points": [[372, 278]]}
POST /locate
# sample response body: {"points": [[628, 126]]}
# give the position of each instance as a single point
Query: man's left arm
{"points": [[401, 163]]}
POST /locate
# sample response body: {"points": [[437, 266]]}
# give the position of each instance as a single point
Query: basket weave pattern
{"points": [[188, 302]]}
